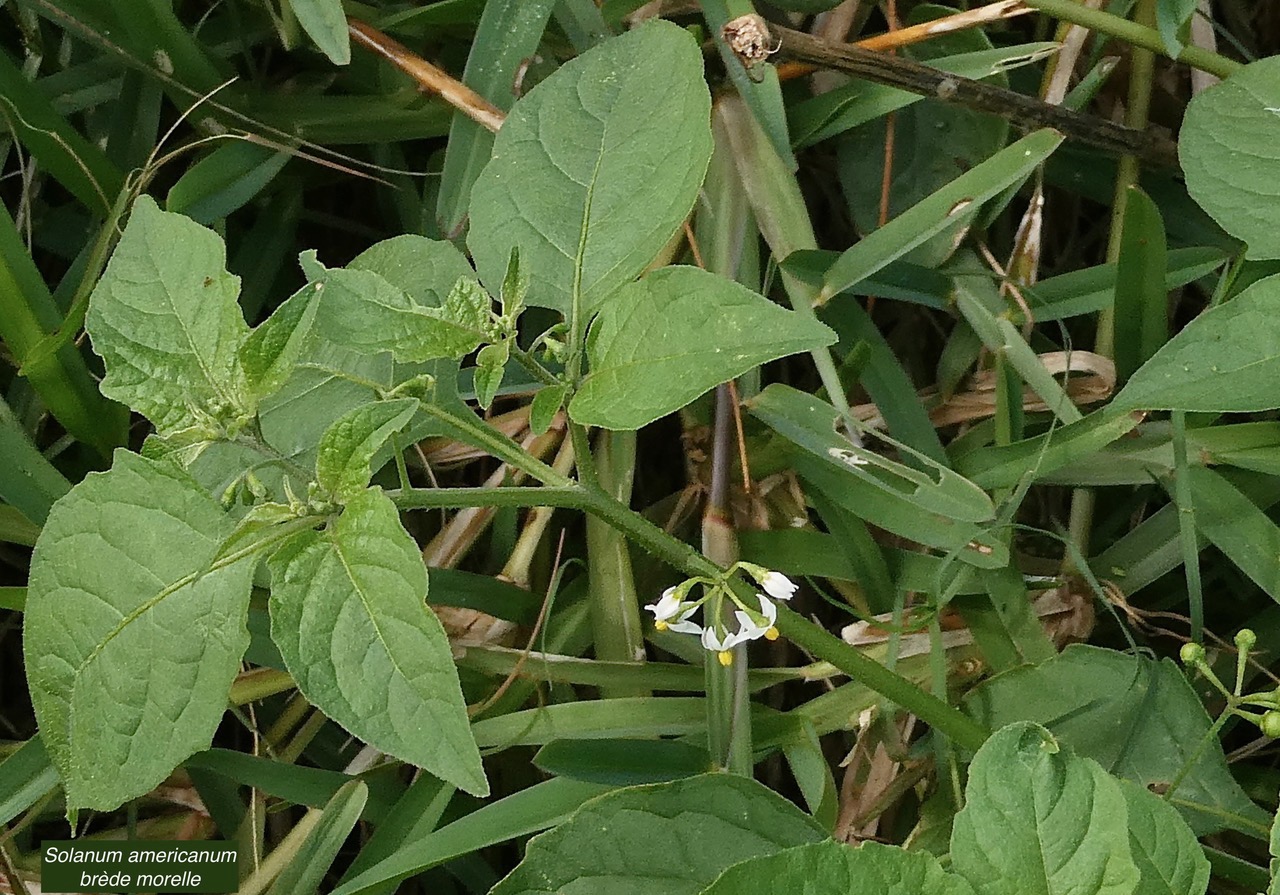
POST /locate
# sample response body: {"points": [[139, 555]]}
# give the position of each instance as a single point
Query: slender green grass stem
{"points": [[1141, 74], [1187, 526], [1135, 33]]}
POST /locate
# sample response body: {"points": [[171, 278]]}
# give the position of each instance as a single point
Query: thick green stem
{"points": [[945, 718], [615, 608], [1135, 33]]}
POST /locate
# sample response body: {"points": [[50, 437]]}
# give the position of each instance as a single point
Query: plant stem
{"points": [[1141, 74], [615, 608], [945, 718], [1137, 34], [435, 498], [592, 499], [728, 710]]}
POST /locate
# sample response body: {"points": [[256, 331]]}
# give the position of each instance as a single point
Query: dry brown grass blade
{"points": [[428, 76], [914, 34]]}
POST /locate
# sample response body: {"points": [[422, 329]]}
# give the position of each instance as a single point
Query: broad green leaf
{"points": [[673, 838], [361, 309], [131, 642], [426, 269], [273, 348], [1227, 360], [348, 446], [1168, 856], [832, 868], [1039, 820], [164, 319], [1139, 719], [491, 363], [328, 382], [348, 614], [546, 404], [310, 863], [940, 210], [676, 334], [595, 168], [326, 24], [1226, 147]]}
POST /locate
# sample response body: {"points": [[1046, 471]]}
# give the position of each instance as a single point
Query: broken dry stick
{"points": [[1025, 111], [430, 78]]}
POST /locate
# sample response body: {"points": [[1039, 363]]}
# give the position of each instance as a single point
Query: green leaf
{"points": [[326, 24], [1173, 18], [939, 211], [595, 168], [360, 309], [131, 641], [527, 811], [427, 269], [507, 37], [1142, 302], [832, 868], [546, 404], [348, 615], [1168, 856], [164, 319], [931, 505], [273, 348], [311, 861], [676, 334], [26, 776], [225, 180], [622, 762], [1225, 361], [1039, 819], [1227, 150], [1235, 525], [673, 838], [860, 101], [1138, 718], [348, 446], [491, 363]]}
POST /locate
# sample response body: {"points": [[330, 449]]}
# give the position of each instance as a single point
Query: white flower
{"points": [[748, 628], [682, 625], [667, 607], [716, 644], [778, 586]]}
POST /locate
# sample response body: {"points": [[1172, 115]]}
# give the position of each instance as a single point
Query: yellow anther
{"points": [[660, 625], [771, 634], [725, 657]]}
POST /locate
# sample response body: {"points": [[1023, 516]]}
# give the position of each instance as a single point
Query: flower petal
{"points": [[779, 586]]}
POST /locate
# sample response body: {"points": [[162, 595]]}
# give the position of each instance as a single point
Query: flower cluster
{"points": [[674, 610]]}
